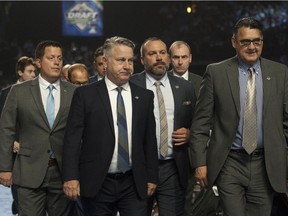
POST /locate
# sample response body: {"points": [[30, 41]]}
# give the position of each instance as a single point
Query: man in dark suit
{"points": [[181, 58], [93, 148], [247, 172], [179, 100], [36, 170], [100, 69]]}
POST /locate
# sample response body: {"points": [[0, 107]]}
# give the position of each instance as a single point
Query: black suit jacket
{"points": [[219, 100], [184, 100], [89, 139]]}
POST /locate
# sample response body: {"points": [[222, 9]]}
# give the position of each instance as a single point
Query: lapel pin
{"points": [[176, 86], [65, 90], [268, 78], [136, 97]]}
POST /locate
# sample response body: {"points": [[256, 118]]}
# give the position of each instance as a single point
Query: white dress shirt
{"points": [[169, 106], [126, 95], [45, 91]]}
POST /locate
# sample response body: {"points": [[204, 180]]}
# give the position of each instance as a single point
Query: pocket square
{"points": [[186, 103]]}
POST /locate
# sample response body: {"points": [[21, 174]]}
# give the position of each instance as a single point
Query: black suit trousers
{"points": [[117, 194]]}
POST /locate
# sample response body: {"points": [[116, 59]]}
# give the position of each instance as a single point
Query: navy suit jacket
{"points": [[89, 140], [184, 100]]}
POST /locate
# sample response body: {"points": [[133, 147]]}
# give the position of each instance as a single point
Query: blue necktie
{"points": [[123, 151], [50, 106]]}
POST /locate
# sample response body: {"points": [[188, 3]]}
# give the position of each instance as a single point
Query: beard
{"points": [[157, 70]]}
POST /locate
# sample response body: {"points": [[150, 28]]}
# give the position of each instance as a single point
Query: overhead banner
{"points": [[82, 18]]}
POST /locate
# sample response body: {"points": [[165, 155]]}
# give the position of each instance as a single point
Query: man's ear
{"points": [[20, 73], [38, 62]]}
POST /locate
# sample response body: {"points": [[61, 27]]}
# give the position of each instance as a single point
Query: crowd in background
{"points": [[207, 29]]}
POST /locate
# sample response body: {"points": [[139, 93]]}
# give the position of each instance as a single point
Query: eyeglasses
{"points": [[246, 42]]}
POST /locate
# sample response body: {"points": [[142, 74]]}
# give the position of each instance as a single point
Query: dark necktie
{"points": [[123, 150], [249, 141], [163, 121], [50, 106]]}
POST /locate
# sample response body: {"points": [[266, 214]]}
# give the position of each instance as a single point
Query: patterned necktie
{"points": [[50, 106], [249, 141], [163, 121], [123, 151]]}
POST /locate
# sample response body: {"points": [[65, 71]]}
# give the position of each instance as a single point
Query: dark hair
{"points": [[148, 40], [247, 22], [98, 52], [22, 63], [40, 48], [114, 41]]}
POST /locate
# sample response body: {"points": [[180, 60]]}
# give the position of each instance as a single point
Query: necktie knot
{"points": [[157, 83], [51, 87], [251, 71], [119, 89]]}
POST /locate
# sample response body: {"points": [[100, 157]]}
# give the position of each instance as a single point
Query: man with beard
{"points": [[173, 115]]}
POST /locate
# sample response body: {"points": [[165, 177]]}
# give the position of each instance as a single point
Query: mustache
{"points": [[159, 63]]}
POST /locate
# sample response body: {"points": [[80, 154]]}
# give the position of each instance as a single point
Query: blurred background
{"points": [[205, 25]]}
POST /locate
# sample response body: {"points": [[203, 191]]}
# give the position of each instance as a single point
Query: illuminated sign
{"points": [[82, 18]]}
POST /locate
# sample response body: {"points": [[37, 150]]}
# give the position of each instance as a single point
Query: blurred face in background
{"points": [[180, 58], [28, 73], [79, 77], [99, 66]]}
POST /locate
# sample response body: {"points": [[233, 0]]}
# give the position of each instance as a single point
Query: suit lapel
{"points": [[266, 77], [233, 78], [135, 97], [104, 96], [63, 102], [176, 91], [36, 94]]}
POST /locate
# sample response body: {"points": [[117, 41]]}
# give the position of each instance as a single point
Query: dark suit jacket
{"points": [[219, 100], [93, 78], [3, 96], [90, 122], [24, 106], [184, 99], [194, 79]]}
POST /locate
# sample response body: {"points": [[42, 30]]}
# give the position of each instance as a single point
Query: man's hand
{"points": [[201, 176], [72, 189], [181, 136], [6, 178], [16, 146], [151, 188]]}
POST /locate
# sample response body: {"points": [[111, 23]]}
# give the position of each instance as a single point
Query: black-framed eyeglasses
{"points": [[247, 42]]}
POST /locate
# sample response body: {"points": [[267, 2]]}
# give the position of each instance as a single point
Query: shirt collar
{"points": [[244, 67], [44, 83], [152, 80], [185, 75], [112, 86]]}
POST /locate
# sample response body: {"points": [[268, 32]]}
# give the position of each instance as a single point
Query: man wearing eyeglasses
{"points": [[245, 98]]}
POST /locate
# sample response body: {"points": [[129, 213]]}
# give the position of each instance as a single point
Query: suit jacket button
{"points": [[48, 151]]}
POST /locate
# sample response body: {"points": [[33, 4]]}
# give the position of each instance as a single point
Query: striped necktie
{"points": [[163, 121], [123, 150]]}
